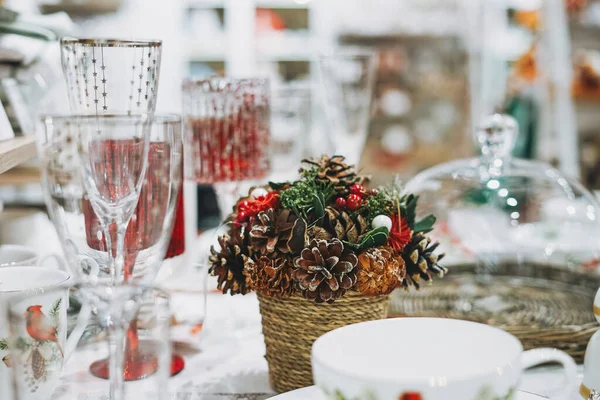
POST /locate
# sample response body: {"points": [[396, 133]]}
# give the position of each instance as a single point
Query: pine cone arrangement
{"points": [[325, 270], [324, 235], [333, 170], [271, 277], [421, 261], [343, 226], [381, 271], [278, 230], [228, 266]]}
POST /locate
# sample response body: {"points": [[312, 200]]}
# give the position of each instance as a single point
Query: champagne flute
{"points": [[71, 152]]}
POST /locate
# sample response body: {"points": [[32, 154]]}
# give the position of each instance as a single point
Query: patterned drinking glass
{"points": [[106, 76], [111, 76], [227, 130], [348, 78], [49, 364]]}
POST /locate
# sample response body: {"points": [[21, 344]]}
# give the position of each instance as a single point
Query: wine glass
{"points": [[117, 76], [83, 174], [227, 131], [348, 79]]}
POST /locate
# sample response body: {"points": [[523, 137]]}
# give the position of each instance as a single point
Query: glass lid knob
{"points": [[496, 136]]}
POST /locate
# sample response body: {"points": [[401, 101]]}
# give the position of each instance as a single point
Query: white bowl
{"points": [[424, 358]]}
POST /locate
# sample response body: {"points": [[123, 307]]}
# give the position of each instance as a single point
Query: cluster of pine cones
{"points": [[278, 252]]}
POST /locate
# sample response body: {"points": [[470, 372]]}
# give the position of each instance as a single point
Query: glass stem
{"points": [[116, 338], [115, 243], [227, 195]]}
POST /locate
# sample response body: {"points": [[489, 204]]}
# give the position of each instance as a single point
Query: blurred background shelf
{"points": [[19, 176], [85, 8], [204, 4], [16, 151], [283, 4]]}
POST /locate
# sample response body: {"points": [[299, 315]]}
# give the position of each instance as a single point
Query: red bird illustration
{"points": [[40, 328]]}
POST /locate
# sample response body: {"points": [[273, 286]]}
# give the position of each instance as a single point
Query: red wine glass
{"points": [[72, 152]]}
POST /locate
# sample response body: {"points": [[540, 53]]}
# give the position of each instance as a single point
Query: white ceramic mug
{"points": [[17, 255], [42, 294], [428, 359]]}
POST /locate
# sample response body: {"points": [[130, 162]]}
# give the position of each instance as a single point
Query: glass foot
{"points": [[139, 367]]}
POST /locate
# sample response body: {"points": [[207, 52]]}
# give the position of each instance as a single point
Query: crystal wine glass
{"points": [[348, 78], [72, 152], [227, 132], [116, 76]]}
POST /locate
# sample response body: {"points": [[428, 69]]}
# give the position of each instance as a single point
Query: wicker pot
{"points": [[291, 325]]}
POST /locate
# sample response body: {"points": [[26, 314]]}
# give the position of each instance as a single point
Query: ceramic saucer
{"points": [[313, 393]]}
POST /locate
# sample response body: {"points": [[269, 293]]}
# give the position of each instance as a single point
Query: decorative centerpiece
{"points": [[321, 252]]}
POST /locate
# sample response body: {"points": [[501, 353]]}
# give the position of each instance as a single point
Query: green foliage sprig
{"points": [[378, 204]]}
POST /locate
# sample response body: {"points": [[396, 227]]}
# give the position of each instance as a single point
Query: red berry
{"points": [[373, 192], [357, 189], [243, 205], [354, 201], [242, 216], [340, 202]]}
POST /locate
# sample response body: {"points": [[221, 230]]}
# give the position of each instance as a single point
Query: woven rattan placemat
{"points": [[543, 305]]}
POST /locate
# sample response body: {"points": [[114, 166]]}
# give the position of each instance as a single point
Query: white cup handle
{"points": [[59, 260], [82, 321], [531, 358]]}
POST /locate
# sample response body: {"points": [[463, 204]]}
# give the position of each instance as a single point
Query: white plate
{"points": [[314, 394]]}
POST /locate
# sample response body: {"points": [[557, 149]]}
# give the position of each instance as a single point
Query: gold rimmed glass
{"points": [[111, 75]]}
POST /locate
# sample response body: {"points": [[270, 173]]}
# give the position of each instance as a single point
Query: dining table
{"points": [[224, 354]]}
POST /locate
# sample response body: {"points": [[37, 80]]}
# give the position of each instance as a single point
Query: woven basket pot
{"points": [[291, 325]]}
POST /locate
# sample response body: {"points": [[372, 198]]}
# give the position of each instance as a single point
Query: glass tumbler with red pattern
{"points": [[227, 133]]}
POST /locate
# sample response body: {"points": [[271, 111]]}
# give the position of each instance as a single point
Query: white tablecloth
{"points": [[225, 361]]}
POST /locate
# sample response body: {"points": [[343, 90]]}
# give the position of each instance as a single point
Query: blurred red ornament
{"points": [[411, 396], [268, 20]]}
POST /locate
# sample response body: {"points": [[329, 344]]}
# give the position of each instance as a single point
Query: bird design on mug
{"points": [[40, 327]]}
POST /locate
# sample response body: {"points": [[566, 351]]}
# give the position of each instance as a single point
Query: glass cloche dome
{"points": [[499, 209]]}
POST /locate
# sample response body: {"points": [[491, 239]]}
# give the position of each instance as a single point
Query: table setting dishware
{"points": [[227, 133], [348, 80], [522, 240], [41, 296], [313, 393], [456, 360], [112, 196], [46, 365], [19, 255]]}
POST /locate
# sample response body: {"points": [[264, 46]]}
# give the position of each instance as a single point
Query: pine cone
{"points": [[421, 262], [271, 277], [38, 364], [228, 265], [278, 230], [342, 226], [325, 270], [380, 271], [335, 171]]}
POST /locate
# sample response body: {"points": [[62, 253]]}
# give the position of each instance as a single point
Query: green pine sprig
{"points": [[55, 309]]}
